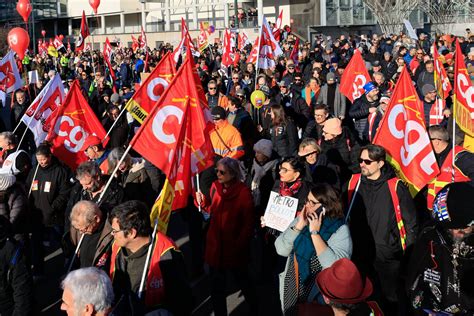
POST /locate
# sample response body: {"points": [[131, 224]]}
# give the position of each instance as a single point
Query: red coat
{"points": [[231, 225]]}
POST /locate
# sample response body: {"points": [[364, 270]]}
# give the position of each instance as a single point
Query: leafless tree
{"points": [[391, 13], [444, 14]]}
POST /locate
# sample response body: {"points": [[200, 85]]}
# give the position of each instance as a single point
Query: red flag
{"points": [[443, 86], [277, 29], [58, 44], [464, 95], [145, 98], [108, 57], [83, 34], [295, 51], [269, 48], [226, 60], [176, 131], [39, 116], [354, 77], [254, 53], [10, 78], [73, 123], [143, 41], [403, 134], [188, 42], [202, 38]]}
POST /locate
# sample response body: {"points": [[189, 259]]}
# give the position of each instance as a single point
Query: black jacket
{"points": [[119, 134], [49, 192], [285, 139], [359, 111], [14, 207], [295, 107], [373, 223], [16, 285]]}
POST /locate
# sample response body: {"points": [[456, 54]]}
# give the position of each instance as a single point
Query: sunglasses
{"points": [[365, 161], [221, 172], [212, 88]]}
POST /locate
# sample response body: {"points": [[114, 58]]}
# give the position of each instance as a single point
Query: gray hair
{"points": [[9, 137], [86, 210], [308, 141], [438, 131], [232, 166], [89, 286], [90, 168], [378, 73], [114, 157]]}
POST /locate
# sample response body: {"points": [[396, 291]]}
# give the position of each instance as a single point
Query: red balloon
{"points": [[24, 8], [43, 32], [61, 37], [18, 40], [94, 4]]}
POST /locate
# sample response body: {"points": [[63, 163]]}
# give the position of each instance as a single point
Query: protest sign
{"points": [[280, 211]]}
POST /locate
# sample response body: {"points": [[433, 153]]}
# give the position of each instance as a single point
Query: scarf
{"points": [[258, 172], [290, 190], [304, 248]]}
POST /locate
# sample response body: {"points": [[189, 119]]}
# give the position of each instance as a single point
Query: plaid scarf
{"points": [[290, 190]]}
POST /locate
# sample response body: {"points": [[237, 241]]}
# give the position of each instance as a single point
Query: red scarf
{"points": [[286, 190]]}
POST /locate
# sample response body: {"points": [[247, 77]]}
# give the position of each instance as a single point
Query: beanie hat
{"points": [[427, 88], [6, 181], [369, 86], [330, 76], [333, 126], [218, 113], [452, 206], [264, 146]]}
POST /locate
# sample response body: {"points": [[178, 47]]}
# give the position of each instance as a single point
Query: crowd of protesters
{"points": [[307, 141]]}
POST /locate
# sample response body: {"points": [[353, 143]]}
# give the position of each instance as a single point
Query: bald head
{"points": [[86, 216]]}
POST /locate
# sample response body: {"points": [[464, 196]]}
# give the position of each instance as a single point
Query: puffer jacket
{"points": [[14, 207], [285, 139]]}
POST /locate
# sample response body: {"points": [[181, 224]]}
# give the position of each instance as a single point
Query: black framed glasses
{"points": [[311, 203], [221, 172], [113, 231]]}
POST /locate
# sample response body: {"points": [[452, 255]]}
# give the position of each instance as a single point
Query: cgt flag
{"points": [[83, 34], [10, 78], [175, 136], [73, 123], [443, 87], [269, 48], [463, 95], [403, 134], [203, 42], [145, 98], [354, 77], [39, 116], [108, 57]]}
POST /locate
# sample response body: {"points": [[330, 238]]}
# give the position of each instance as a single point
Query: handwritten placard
{"points": [[280, 211]]}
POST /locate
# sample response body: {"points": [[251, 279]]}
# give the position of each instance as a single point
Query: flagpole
{"points": [[258, 53], [115, 122], [148, 257], [33, 180], [454, 140], [352, 200], [198, 187]]}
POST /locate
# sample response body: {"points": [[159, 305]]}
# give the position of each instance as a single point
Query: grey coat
{"points": [[339, 100]]}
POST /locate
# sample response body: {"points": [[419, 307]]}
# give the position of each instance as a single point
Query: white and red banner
{"points": [[142, 39], [403, 134], [464, 95], [226, 60], [83, 33], [10, 78], [354, 77], [108, 57], [39, 116], [277, 29], [295, 51], [145, 97], [269, 48], [73, 123], [58, 44], [243, 40], [253, 56]]}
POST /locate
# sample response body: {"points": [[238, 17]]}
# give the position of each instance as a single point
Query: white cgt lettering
{"points": [[76, 136], [160, 119], [358, 84], [466, 90], [410, 150], [150, 89]]}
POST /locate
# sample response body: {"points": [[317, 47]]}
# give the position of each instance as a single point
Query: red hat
{"points": [[90, 141], [342, 283]]}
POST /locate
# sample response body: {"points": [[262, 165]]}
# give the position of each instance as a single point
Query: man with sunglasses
{"points": [[383, 224], [215, 97]]}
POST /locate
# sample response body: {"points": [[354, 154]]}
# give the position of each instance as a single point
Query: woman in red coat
{"points": [[231, 212]]}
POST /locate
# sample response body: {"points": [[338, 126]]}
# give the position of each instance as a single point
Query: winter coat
{"points": [[339, 100], [373, 223], [342, 152], [231, 226], [49, 192], [359, 111], [14, 207], [119, 134], [16, 285], [137, 184], [285, 139], [295, 107], [313, 130]]}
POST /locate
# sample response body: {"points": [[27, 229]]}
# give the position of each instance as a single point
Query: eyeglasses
{"points": [[113, 231], [84, 229], [311, 203], [221, 172], [284, 170], [365, 161], [235, 78], [212, 88], [297, 80]]}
